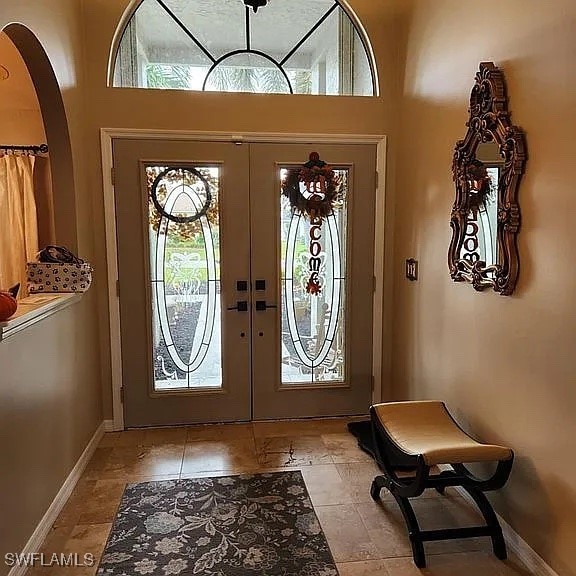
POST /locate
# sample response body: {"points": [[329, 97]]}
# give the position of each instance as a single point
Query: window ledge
{"points": [[34, 309]]}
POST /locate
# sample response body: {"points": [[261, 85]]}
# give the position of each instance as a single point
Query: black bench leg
{"points": [[413, 530], [498, 544], [442, 489], [378, 483]]}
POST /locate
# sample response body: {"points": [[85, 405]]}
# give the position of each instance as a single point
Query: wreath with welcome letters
{"points": [[314, 189]]}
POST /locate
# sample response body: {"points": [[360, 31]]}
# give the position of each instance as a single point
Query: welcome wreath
{"points": [[313, 189], [480, 188]]}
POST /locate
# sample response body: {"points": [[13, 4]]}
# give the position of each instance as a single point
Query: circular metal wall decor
{"points": [[179, 174]]}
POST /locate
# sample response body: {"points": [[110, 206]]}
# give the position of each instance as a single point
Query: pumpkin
{"points": [[8, 306]]}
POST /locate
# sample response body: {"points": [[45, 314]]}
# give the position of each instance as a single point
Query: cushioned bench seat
{"points": [[427, 428], [422, 435]]}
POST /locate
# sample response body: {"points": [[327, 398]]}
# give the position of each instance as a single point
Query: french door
{"points": [[233, 304]]}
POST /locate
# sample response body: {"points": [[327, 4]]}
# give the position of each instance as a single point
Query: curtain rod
{"points": [[40, 149]]}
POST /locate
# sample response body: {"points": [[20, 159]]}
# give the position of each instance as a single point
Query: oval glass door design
{"points": [[184, 238], [313, 286]]}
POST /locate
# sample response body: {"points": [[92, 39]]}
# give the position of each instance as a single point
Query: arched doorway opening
{"points": [[62, 208]]}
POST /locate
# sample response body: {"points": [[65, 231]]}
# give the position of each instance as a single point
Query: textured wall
{"points": [[503, 364]]}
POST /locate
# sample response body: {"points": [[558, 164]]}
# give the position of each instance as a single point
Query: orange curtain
{"points": [[18, 221]]}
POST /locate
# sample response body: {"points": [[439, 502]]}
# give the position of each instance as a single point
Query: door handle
{"points": [[261, 305], [241, 306]]}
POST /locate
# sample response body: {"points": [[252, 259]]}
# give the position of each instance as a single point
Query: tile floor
{"points": [[366, 538]]}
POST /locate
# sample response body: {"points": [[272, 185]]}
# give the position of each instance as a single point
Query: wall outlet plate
{"points": [[412, 269]]}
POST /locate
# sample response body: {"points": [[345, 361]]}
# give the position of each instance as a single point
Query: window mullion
{"points": [[185, 30], [308, 34], [247, 28]]}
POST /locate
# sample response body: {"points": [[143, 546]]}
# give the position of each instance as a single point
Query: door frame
{"points": [[382, 310]]}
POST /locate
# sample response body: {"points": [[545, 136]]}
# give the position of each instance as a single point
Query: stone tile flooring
{"points": [[366, 538]]}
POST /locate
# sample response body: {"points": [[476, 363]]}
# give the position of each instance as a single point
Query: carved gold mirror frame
{"points": [[492, 144]]}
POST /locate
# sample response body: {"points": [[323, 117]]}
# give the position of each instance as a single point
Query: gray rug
{"points": [[247, 525]]}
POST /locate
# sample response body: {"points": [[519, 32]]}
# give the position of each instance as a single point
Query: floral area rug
{"points": [[247, 525]]}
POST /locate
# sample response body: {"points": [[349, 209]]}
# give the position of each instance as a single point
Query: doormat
{"points": [[363, 433], [251, 524]]}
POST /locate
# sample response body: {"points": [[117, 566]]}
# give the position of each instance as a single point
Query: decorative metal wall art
{"points": [[487, 167]]}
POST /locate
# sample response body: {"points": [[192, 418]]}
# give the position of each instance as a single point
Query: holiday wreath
{"points": [[313, 189]]}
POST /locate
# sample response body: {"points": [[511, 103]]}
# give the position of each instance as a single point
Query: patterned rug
{"points": [[247, 525]]}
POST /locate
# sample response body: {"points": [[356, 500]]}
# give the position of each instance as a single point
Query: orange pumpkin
{"points": [[8, 306]]}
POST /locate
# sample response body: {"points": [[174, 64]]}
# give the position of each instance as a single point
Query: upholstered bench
{"points": [[421, 436]]}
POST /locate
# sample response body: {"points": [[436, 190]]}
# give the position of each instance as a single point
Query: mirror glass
{"points": [[480, 237]]}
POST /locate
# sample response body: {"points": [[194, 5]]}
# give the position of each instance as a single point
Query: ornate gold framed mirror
{"points": [[487, 167]]}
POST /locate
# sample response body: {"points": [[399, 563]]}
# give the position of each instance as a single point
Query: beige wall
{"points": [[50, 390], [21, 124], [504, 365], [179, 110], [20, 118]]}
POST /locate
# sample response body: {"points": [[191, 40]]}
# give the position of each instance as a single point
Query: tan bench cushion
{"points": [[426, 428]]}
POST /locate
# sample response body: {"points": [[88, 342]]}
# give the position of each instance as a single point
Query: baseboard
{"points": [[109, 426], [44, 526], [517, 546], [520, 548]]}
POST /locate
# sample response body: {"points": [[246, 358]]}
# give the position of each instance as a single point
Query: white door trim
{"points": [[380, 318]]}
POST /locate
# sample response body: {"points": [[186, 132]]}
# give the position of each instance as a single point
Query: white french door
{"points": [[218, 322]]}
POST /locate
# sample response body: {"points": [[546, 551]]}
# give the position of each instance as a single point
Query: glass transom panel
{"points": [[247, 72], [313, 339], [184, 236], [311, 45]]}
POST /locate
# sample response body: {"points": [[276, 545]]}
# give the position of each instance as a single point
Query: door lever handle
{"points": [[261, 305], [241, 306]]}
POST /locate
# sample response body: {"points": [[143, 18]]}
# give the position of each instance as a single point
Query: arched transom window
{"points": [[285, 46]]}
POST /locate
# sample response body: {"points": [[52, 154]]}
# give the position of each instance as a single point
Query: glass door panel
{"points": [[313, 284], [184, 234]]}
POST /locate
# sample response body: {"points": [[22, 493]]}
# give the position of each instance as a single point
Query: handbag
{"points": [[58, 270]]}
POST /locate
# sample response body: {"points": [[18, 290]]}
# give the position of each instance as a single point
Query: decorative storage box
{"points": [[58, 277]]}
